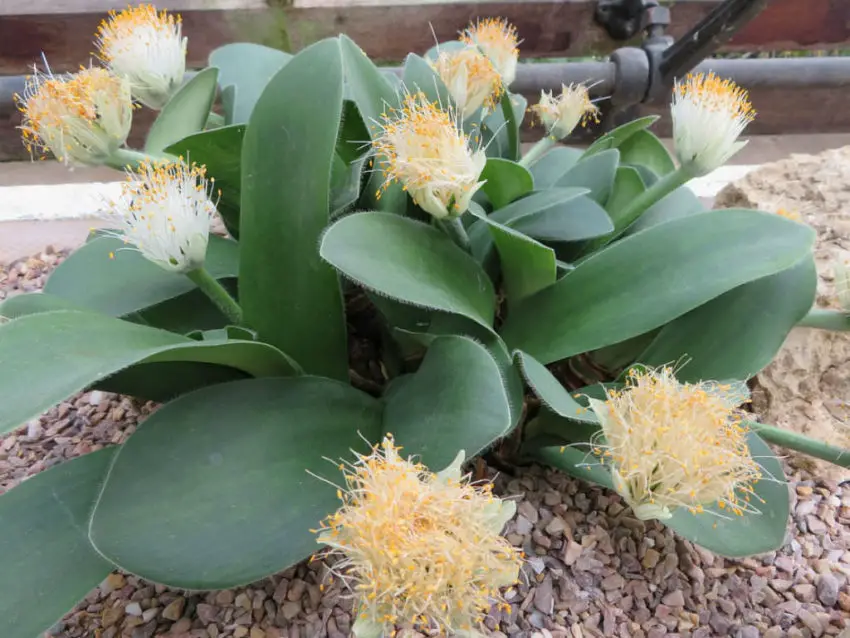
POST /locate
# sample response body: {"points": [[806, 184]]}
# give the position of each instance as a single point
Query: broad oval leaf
{"points": [[248, 67], [550, 168], [627, 186], [48, 563], [652, 277], [580, 218], [506, 181], [409, 261], [63, 352], [129, 282], [220, 150], [527, 265], [455, 401], [645, 149], [244, 448], [680, 203], [186, 112], [737, 334], [418, 75], [536, 202], [290, 297], [550, 391], [596, 173], [616, 137]]}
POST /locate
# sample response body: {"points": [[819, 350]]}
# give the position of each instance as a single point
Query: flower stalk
{"points": [[453, 227], [217, 294], [802, 443], [826, 319], [540, 148]]}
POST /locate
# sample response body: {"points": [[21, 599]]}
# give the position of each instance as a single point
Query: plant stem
{"points": [[453, 227], [652, 195], [125, 158], [802, 443], [511, 123], [824, 319], [218, 295], [536, 151]]}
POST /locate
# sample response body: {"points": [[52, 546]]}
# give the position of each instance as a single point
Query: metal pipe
{"points": [[816, 72]]}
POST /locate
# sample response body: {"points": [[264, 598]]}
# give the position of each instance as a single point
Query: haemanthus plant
{"points": [[523, 306]]}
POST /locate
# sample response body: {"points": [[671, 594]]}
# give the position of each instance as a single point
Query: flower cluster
{"points": [[165, 211], [146, 48], [561, 114], [82, 118], [422, 146], [497, 39], [709, 114], [672, 445], [419, 548]]}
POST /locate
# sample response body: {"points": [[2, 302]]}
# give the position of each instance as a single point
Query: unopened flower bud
{"points": [[561, 114]]}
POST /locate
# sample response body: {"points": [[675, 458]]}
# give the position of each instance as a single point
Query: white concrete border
{"points": [[64, 202]]}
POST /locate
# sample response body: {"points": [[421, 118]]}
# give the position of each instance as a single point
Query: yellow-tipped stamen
{"points": [[471, 78], [165, 211], [147, 48], [709, 114], [422, 147], [561, 114], [82, 118], [497, 39], [419, 547], [675, 445]]}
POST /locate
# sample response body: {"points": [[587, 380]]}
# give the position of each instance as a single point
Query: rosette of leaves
{"points": [[213, 491]]}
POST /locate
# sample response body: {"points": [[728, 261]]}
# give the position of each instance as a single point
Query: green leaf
{"points": [[527, 265], [506, 181], [615, 137], [627, 186], [550, 391], [289, 296], [550, 168], [680, 203], [645, 149], [186, 112], [419, 76], [190, 311], [737, 334], [495, 133], [576, 461], [652, 277], [739, 536], [231, 500], [220, 150], [48, 563], [248, 67], [63, 352], [580, 218], [409, 261], [163, 381], [32, 303], [596, 173], [455, 401], [535, 203], [129, 282]]}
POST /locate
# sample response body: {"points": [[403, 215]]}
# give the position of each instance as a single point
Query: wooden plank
{"points": [[549, 28]]}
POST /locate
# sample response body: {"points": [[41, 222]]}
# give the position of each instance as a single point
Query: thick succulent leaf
{"points": [[290, 297], [680, 203], [129, 283], [616, 137], [48, 563], [537, 202], [645, 149], [580, 218], [596, 173], [455, 401], [63, 352], [248, 67], [506, 181], [750, 534], [220, 150], [411, 262], [627, 186], [652, 277], [496, 134], [737, 334], [550, 391], [185, 114], [232, 499], [550, 168]]}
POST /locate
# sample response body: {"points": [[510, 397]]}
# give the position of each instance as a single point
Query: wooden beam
{"points": [[549, 28]]}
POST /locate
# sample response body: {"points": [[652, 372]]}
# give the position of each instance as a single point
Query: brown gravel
{"points": [[593, 569]]}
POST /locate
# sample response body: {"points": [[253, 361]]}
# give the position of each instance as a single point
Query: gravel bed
{"points": [[592, 569]]}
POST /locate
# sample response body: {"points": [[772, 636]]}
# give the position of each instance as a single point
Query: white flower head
{"points": [[418, 548], [82, 118], [561, 114], [422, 147], [497, 39], [165, 210], [471, 78], [676, 445], [147, 48], [709, 115]]}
